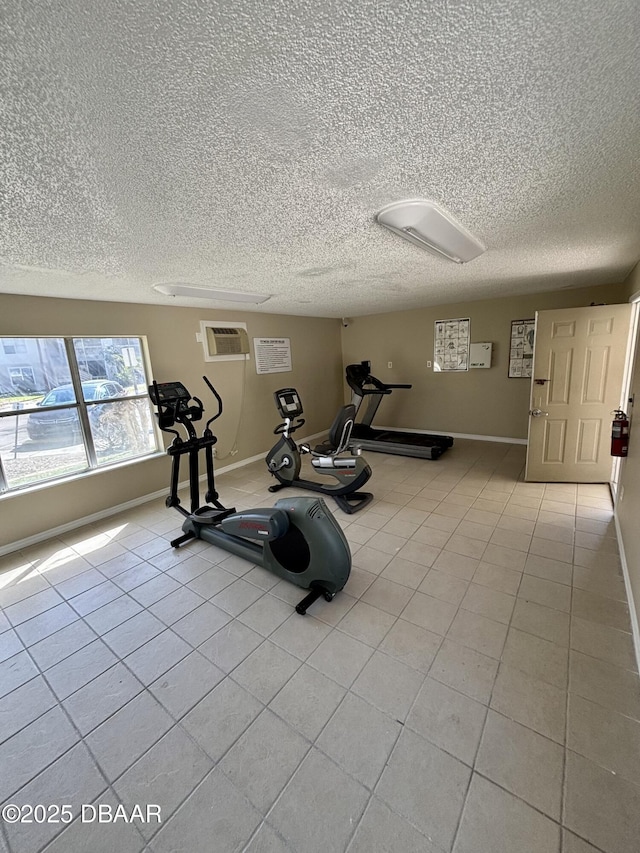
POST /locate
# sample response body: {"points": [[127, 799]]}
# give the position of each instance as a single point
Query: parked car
{"points": [[64, 424]]}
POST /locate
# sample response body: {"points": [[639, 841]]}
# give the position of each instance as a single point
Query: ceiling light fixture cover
{"points": [[177, 289], [430, 226]]}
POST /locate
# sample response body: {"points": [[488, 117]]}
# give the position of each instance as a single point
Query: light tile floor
{"points": [[473, 689]]}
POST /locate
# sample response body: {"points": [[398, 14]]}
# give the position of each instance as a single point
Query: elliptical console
{"points": [[298, 539]]}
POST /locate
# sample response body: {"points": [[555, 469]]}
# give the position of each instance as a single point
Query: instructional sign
{"points": [[273, 355], [521, 349], [451, 344]]}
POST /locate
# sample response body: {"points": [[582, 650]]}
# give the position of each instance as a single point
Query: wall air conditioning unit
{"points": [[224, 341]]}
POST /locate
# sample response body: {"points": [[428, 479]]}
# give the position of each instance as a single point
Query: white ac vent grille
{"points": [[228, 341], [222, 342]]}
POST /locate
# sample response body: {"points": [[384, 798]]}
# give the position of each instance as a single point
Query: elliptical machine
{"points": [[298, 539], [283, 460]]}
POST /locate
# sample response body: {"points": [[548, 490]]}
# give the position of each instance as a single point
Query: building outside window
{"points": [[13, 346], [22, 378], [70, 405]]}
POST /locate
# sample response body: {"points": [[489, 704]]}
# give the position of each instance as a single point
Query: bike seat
{"points": [[331, 461]]}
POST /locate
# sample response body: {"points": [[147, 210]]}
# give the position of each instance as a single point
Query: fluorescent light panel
{"points": [[208, 293], [431, 227]]}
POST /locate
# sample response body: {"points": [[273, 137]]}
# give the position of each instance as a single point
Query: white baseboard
{"points": [[127, 505], [500, 438], [633, 613], [80, 522]]}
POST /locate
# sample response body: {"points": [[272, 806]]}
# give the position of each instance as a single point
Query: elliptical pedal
{"points": [[210, 515]]}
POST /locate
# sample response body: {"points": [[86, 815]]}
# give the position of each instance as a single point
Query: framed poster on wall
{"points": [[451, 344], [521, 349]]}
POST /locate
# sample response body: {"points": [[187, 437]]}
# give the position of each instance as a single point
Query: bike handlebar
{"points": [[288, 428]]}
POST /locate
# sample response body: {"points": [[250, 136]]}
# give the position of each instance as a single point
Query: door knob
{"points": [[536, 413]]}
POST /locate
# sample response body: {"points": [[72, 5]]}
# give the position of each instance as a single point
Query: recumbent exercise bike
{"points": [[298, 539], [349, 472]]}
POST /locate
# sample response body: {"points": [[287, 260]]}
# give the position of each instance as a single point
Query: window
{"points": [[22, 378], [13, 346], [79, 404]]}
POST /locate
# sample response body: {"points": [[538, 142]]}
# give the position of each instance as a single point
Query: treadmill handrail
{"points": [[380, 387], [358, 377]]}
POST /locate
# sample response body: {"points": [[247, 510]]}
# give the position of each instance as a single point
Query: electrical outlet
{"points": [[389, 364], [428, 364]]}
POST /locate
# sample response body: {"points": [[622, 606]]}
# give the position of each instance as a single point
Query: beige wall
{"points": [[475, 402], [175, 354], [481, 402], [628, 509]]}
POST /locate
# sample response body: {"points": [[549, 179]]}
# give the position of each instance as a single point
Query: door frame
{"points": [[625, 402], [627, 377]]}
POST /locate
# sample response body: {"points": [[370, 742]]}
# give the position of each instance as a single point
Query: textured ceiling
{"points": [[248, 145]]}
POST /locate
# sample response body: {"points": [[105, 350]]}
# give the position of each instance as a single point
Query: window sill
{"points": [[83, 475]]}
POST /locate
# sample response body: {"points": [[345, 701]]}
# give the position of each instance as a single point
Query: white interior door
{"points": [[578, 369]]}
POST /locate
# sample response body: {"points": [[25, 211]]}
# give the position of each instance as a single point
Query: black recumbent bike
{"points": [[349, 473]]}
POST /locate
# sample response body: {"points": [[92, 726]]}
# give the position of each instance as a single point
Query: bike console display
{"points": [[288, 403]]}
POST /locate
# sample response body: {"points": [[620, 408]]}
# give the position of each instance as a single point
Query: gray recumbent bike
{"points": [[298, 539], [350, 473]]}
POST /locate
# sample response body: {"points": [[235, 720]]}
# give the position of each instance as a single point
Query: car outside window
{"points": [[59, 397], [86, 406]]}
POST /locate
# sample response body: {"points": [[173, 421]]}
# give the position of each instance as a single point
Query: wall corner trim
{"points": [[633, 612]]}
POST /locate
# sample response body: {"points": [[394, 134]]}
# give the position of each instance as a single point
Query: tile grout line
{"points": [[96, 763], [484, 725]]}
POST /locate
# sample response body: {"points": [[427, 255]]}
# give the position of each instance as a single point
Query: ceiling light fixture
{"points": [[430, 226], [178, 289]]}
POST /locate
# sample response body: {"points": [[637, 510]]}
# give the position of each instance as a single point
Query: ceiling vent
{"points": [[431, 227]]}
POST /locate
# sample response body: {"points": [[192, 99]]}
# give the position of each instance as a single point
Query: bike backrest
{"points": [[340, 431]]}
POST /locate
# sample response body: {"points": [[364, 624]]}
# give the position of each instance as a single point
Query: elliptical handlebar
{"points": [[174, 405], [218, 398], [171, 400]]}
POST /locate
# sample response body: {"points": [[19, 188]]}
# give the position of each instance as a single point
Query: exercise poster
{"points": [[521, 349], [451, 345]]}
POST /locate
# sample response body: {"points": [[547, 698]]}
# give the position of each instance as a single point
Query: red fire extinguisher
{"points": [[619, 434]]}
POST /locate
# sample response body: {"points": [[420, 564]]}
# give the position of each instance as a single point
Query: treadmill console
{"points": [[288, 402]]}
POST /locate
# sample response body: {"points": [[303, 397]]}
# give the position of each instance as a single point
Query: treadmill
{"points": [[362, 385]]}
